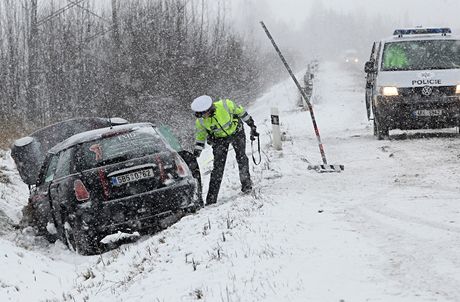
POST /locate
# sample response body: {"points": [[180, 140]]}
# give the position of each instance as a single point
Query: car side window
{"points": [[64, 163], [50, 171]]}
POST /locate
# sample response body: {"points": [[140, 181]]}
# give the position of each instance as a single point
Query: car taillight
{"points": [[81, 193], [163, 176], [104, 182], [181, 167]]}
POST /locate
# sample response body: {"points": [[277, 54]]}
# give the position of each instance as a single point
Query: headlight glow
{"points": [[390, 91]]}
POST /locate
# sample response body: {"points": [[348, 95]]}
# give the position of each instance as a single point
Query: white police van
{"points": [[413, 81]]}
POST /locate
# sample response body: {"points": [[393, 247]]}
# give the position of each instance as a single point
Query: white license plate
{"points": [[429, 112], [130, 177]]}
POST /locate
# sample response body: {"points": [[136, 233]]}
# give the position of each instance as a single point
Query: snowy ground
{"points": [[385, 229]]}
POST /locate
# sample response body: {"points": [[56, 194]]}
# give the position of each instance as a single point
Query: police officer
{"points": [[395, 57], [219, 123]]}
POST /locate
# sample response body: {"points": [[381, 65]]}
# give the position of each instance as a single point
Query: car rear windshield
{"points": [[421, 55], [120, 146]]}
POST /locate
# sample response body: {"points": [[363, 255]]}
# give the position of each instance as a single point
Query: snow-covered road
{"points": [[385, 229]]}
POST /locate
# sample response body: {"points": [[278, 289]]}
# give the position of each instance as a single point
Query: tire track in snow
{"points": [[413, 250]]}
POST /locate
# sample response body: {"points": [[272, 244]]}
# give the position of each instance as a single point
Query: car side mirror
{"points": [[369, 67]]}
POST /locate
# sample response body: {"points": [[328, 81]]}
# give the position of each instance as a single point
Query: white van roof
{"points": [[422, 33]]}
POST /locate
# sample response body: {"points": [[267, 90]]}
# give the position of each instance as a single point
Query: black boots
{"points": [[246, 188]]}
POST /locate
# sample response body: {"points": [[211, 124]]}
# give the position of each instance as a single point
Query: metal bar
{"points": [[310, 107]]}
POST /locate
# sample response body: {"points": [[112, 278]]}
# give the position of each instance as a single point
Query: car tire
{"points": [[51, 238], [192, 163], [78, 240]]}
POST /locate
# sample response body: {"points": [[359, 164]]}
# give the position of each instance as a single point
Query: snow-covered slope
{"points": [[386, 229], [13, 192]]}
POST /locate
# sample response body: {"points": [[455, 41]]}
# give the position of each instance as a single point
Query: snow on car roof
{"points": [[23, 141], [94, 134]]}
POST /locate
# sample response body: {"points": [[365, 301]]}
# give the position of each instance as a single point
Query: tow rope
{"points": [[258, 150]]}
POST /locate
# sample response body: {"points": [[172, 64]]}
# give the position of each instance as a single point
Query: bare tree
{"points": [[144, 60]]}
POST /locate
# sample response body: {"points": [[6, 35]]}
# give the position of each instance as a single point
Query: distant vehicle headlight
{"points": [[356, 60], [391, 91], [457, 91]]}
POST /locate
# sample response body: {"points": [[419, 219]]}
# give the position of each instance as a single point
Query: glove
{"points": [[254, 133], [210, 140], [196, 153]]}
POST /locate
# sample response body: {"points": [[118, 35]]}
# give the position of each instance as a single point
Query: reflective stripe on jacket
{"points": [[223, 123]]}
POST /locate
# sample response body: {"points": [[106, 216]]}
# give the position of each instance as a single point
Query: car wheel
{"points": [[198, 197], [69, 237], [51, 237], [381, 131], [31, 217], [78, 240], [51, 233]]}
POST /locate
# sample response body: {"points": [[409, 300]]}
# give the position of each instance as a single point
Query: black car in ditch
{"points": [[97, 183]]}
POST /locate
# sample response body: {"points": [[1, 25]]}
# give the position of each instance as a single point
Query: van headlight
{"points": [[457, 90], [391, 91]]}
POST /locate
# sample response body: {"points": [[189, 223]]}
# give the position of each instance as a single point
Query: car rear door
{"points": [[125, 164]]}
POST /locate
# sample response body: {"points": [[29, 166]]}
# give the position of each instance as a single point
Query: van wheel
{"points": [[380, 131]]}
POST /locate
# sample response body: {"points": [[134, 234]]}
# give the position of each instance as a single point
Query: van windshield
{"points": [[421, 55]]}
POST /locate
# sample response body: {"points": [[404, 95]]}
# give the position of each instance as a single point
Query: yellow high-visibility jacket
{"points": [[222, 124]]}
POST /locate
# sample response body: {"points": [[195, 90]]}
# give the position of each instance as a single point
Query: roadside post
{"points": [[276, 128]]}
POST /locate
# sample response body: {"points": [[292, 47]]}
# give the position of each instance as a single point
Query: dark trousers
{"points": [[220, 151]]}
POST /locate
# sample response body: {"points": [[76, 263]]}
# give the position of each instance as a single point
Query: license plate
{"points": [[429, 112], [133, 176]]}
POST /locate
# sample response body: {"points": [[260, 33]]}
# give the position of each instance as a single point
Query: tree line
{"points": [[141, 60]]}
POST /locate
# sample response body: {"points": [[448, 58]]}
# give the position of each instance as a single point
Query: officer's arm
{"points": [[245, 117], [200, 138], [241, 113]]}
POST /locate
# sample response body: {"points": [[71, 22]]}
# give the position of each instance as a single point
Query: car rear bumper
{"points": [[139, 212], [404, 112]]}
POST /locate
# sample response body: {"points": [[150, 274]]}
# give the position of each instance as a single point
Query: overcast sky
{"points": [[419, 12]]}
